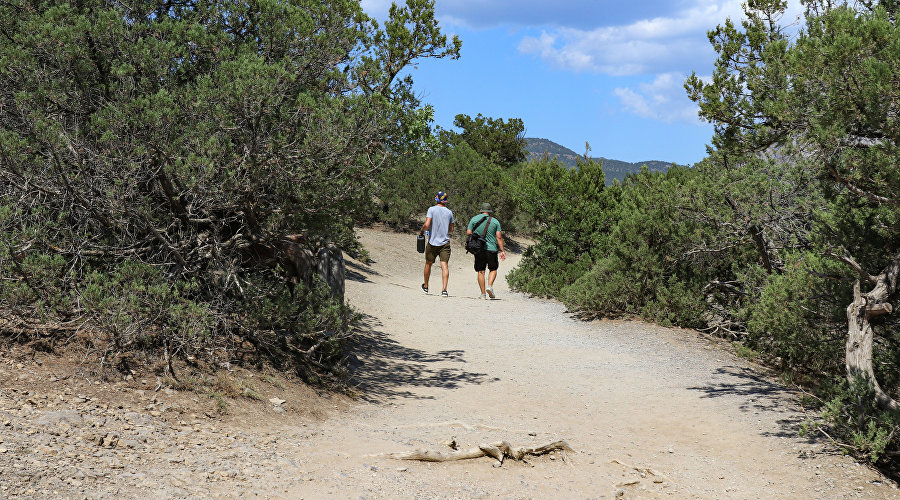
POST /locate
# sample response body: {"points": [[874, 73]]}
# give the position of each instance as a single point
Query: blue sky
{"points": [[609, 73]]}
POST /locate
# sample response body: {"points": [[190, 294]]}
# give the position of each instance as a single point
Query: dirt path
{"points": [[630, 398], [521, 370]]}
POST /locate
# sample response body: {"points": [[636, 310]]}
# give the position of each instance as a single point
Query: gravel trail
{"points": [[627, 396]]}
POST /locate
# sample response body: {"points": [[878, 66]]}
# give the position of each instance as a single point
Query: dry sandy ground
{"points": [[650, 412]]}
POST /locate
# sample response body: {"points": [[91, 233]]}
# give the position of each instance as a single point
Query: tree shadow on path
{"points": [[358, 272], [386, 370], [755, 394]]}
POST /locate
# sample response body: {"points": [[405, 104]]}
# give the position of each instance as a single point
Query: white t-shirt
{"points": [[441, 218]]}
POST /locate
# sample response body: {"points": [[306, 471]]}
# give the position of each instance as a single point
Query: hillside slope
{"points": [[614, 169]]}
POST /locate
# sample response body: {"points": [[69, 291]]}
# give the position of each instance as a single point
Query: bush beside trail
{"points": [[784, 239], [479, 164], [171, 170]]}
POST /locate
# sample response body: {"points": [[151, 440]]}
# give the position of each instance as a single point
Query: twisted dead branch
{"points": [[498, 451]]}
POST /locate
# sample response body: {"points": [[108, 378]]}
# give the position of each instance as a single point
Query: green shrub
{"points": [[567, 207], [407, 189], [797, 318], [861, 427], [611, 251], [158, 158]]}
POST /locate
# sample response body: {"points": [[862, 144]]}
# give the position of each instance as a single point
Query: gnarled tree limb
{"points": [[860, 334], [499, 451]]}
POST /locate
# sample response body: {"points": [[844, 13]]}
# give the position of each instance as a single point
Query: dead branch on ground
{"points": [[498, 451]]}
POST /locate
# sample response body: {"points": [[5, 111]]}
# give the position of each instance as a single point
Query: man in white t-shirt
{"points": [[439, 220]]}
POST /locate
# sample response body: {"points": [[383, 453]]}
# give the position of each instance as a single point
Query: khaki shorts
{"points": [[432, 253]]}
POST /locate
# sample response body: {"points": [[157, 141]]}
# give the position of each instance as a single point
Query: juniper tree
{"points": [[828, 100], [156, 155]]}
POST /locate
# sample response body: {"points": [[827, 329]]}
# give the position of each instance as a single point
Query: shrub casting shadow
{"points": [[386, 370], [358, 272], [755, 393], [513, 245], [758, 394]]}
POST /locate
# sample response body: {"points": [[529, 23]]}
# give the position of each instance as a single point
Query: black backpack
{"points": [[477, 243]]}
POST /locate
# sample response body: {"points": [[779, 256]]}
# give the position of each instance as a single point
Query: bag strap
{"points": [[486, 226], [475, 227]]}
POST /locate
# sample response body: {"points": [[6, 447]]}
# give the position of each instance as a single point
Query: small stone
{"points": [[46, 450], [402, 469], [277, 402]]}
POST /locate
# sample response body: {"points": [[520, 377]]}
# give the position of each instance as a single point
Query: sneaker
{"points": [[445, 294], [490, 292], [484, 297], [424, 288]]}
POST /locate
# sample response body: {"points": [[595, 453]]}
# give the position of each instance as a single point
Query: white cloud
{"points": [[664, 99], [657, 45], [568, 13], [663, 40], [665, 48]]}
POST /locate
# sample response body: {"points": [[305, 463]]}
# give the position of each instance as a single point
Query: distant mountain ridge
{"points": [[614, 169]]}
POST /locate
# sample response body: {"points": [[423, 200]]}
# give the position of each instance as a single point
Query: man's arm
{"points": [[426, 226], [500, 244], [450, 228]]}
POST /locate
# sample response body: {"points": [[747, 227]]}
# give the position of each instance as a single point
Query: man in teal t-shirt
{"points": [[488, 258]]}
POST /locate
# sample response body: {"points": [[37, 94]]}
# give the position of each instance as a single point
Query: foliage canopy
{"points": [[156, 155], [786, 237]]}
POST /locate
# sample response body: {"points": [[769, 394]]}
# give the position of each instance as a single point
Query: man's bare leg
{"points": [[481, 281], [490, 288], [445, 273], [427, 273]]}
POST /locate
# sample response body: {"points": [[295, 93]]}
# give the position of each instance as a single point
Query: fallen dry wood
{"points": [[643, 471], [499, 451]]}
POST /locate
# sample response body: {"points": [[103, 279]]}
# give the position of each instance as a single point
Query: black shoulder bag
{"points": [[477, 243]]}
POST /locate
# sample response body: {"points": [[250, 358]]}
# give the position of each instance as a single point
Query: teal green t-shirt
{"points": [[491, 235]]}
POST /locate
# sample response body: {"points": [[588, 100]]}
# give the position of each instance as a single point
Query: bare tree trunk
{"points": [[860, 335], [330, 264]]}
